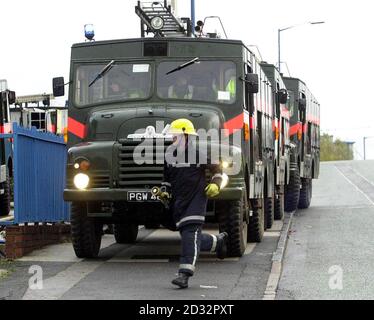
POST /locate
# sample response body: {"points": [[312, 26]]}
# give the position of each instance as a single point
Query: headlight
{"points": [[157, 23], [81, 181], [227, 164], [82, 164]]}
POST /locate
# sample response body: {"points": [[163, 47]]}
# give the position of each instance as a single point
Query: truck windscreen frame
{"points": [[206, 80], [123, 82]]}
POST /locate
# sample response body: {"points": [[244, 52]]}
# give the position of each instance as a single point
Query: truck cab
{"points": [[305, 137], [282, 141]]}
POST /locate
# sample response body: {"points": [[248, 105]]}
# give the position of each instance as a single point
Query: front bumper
{"points": [[113, 195]]}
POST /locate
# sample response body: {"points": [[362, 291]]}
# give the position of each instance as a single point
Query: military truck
{"points": [[7, 97], [36, 111], [305, 137], [121, 89], [282, 141]]}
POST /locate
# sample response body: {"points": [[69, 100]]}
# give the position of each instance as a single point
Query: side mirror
{"points": [[302, 104], [11, 97], [252, 82], [59, 87], [283, 96]]}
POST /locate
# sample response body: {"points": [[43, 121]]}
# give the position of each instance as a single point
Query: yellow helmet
{"points": [[182, 126]]}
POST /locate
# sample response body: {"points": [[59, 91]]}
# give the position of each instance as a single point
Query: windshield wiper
{"points": [[103, 72], [185, 65]]}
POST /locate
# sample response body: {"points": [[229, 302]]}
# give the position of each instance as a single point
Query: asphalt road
{"points": [[141, 271], [328, 256], [336, 235]]}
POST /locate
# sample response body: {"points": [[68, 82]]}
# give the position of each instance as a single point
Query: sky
{"points": [[335, 59]]}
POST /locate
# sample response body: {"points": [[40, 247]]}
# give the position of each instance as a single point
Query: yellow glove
{"points": [[212, 190], [164, 196]]}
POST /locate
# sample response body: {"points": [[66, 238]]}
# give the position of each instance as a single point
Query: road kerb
{"points": [[278, 256]]}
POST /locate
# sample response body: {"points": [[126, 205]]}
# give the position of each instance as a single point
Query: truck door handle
{"points": [[196, 115]]}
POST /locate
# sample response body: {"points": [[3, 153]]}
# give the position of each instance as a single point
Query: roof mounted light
{"points": [[157, 23], [89, 32]]}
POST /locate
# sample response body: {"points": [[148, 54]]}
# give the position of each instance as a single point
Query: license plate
{"points": [[143, 196]]}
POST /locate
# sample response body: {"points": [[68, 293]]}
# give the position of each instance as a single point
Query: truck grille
{"points": [[145, 176]]}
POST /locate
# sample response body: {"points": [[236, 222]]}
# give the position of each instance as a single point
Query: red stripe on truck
{"points": [[77, 128], [234, 124]]}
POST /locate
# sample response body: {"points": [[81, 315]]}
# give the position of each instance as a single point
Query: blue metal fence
{"points": [[39, 176]]}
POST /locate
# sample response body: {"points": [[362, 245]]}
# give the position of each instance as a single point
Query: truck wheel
{"points": [[269, 213], [279, 207], [126, 233], [256, 227], [232, 220], [5, 198], [305, 193], [292, 190], [85, 232]]}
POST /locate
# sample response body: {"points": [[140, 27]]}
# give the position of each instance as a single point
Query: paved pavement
{"points": [[328, 256], [335, 235], [141, 271]]}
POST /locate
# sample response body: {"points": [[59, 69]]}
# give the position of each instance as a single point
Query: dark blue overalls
{"points": [[187, 183]]}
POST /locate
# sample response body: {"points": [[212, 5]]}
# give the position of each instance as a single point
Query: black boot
{"points": [[181, 281], [222, 245]]}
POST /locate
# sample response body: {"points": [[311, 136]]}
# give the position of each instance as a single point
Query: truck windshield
{"points": [[210, 81], [122, 82]]}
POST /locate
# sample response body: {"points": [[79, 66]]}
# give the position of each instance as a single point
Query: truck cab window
{"points": [[123, 82], [210, 81]]}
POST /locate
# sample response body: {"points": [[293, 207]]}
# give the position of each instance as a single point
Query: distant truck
{"points": [[305, 137], [16, 110], [36, 111], [282, 138], [7, 97]]}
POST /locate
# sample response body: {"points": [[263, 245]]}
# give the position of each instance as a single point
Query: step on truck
{"points": [[305, 138], [122, 96]]}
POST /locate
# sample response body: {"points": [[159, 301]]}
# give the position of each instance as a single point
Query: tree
{"points": [[334, 150]]}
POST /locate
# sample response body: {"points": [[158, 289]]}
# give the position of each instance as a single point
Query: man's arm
{"points": [[218, 182]]}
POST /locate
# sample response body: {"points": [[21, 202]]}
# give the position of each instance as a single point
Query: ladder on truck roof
{"points": [[35, 98], [173, 27]]}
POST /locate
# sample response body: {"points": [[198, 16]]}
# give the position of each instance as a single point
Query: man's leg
{"points": [[190, 250], [215, 244]]}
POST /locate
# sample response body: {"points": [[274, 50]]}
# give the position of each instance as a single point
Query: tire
{"points": [[5, 198], [126, 233], [256, 227], [279, 207], [305, 193], [231, 218], [269, 213], [292, 190], [85, 232]]}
